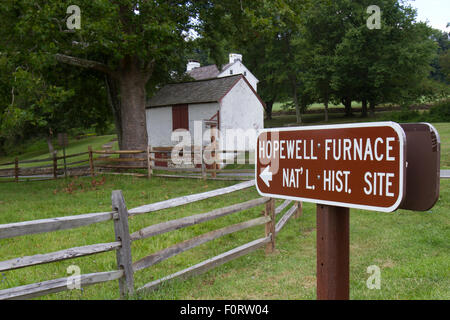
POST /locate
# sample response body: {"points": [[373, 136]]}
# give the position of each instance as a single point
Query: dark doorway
{"points": [[180, 117]]}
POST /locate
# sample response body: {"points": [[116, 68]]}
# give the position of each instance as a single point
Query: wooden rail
{"points": [[58, 256], [48, 225], [284, 219], [134, 160], [189, 199], [272, 228], [52, 286], [123, 240], [195, 219], [208, 264], [100, 161], [194, 242], [49, 168]]}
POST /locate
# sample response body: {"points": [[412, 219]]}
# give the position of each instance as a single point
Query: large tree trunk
{"points": [[51, 149], [347, 102], [372, 108], [129, 80], [298, 112], [112, 87], [132, 102], [364, 108], [326, 110], [269, 108], [303, 105]]}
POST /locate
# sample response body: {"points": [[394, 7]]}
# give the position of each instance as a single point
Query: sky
{"points": [[437, 12]]}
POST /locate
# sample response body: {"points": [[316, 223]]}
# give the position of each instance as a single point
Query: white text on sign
{"points": [[358, 149]]}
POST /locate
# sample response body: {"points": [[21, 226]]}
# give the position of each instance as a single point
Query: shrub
{"points": [[405, 116], [440, 112]]}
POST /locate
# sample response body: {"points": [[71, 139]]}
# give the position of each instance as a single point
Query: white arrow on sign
{"points": [[266, 176]]}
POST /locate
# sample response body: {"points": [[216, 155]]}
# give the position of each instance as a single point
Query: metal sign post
{"points": [[333, 252], [338, 167]]}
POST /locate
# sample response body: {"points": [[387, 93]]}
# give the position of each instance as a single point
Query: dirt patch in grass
{"points": [[309, 282]]}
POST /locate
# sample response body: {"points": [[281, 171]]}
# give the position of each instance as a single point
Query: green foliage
{"points": [[321, 51], [144, 39], [110, 30], [441, 63], [40, 103], [268, 34], [405, 116], [432, 90], [379, 65], [440, 112], [444, 62], [303, 51]]}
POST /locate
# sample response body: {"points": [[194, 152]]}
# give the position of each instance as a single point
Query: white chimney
{"points": [[192, 64], [235, 56]]}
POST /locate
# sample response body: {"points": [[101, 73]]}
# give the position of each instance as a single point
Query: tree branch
{"points": [[148, 69], [84, 63]]}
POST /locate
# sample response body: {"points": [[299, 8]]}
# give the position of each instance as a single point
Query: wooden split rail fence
{"points": [[149, 161], [102, 161], [124, 239], [18, 170]]}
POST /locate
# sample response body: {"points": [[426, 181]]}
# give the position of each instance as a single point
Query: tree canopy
{"points": [[131, 44], [63, 65]]}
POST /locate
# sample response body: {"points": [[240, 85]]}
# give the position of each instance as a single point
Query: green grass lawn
{"points": [[39, 200], [311, 119], [278, 106], [410, 248], [39, 150], [444, 133]]}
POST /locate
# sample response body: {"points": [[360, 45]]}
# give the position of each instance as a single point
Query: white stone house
{"points": [[226, 102], [234, 67]]}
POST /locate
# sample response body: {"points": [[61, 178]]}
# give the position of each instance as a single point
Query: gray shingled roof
{"points": [[201, 91], [202, 73], [207, 72]]}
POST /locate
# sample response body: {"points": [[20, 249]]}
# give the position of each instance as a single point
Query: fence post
{"points": [[16, 169], [299, 210], [149, 162], [214, 150], [91, 161], [213, 173], [270, 226], [65, 162], [123, 254], [55, 166], [204, 175]]}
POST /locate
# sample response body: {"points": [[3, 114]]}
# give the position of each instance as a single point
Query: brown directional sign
{"points": [[354, 165]]}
